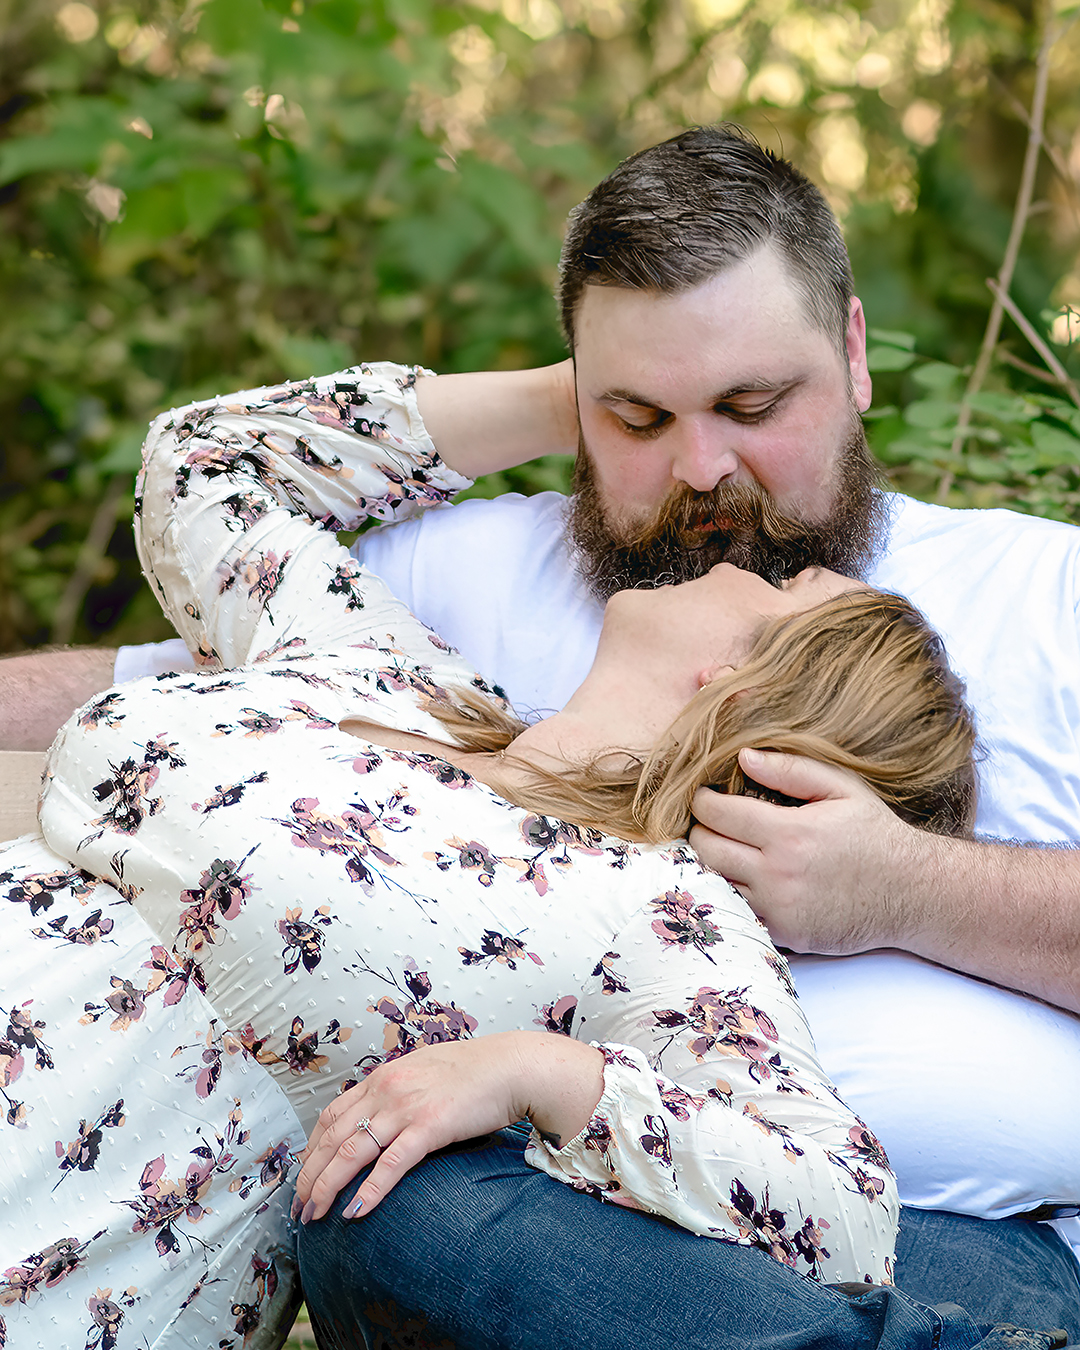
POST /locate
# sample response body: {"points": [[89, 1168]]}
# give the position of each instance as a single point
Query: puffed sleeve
{"points": [[240, 498], [716, 1113]]}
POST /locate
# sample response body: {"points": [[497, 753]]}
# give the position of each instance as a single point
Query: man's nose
{"points": [[703, 455]]}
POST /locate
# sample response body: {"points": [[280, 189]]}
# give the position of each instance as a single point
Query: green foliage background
{"points": [[196, 197]]}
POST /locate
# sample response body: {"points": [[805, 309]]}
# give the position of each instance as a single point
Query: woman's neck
{"points": [[610, 712]]}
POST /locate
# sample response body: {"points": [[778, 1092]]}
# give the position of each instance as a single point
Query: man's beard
{"points": [[738, 523]]}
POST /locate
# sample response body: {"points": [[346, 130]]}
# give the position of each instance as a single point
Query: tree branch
{"points": [[1012, 248], [1022, 322], [89, 559]]}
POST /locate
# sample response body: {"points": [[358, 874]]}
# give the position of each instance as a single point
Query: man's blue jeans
{"points": [[475, 1250]]}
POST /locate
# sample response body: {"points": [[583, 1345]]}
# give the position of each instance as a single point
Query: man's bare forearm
{"points": [[40, 690], [1006, 913]]}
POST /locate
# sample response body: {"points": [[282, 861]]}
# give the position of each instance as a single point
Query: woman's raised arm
{"points": [[494, 420], [241, 497]]}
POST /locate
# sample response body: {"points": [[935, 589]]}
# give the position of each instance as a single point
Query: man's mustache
{"points": [[694, 520]]}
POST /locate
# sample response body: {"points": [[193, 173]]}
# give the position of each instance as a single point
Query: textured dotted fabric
{"points": [[239, 908]]}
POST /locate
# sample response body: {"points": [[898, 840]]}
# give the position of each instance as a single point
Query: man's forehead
{"points": [[651, 363], [741, 316]]}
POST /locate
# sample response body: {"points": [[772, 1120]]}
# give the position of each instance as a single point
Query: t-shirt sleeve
{"points": [[241, 497], [716, 1113], [151, 658]]}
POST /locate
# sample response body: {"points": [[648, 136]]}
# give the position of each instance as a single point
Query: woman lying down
{"points": [[269, 883]]}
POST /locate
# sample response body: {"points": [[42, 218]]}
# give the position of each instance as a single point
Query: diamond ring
{"points": [[364, 1124]]}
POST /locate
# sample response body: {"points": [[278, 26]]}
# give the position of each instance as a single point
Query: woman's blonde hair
{"points": [[860, 682]]}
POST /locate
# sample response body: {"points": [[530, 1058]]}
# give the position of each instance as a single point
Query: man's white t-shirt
{"points": [[973, 1089]]}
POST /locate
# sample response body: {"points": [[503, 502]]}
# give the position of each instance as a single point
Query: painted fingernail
{"points": [[297, 1206], [308, 1212], [354, 1209]]}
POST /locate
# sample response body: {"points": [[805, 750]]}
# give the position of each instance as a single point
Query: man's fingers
{"points": [[737, 863], [743, 820], [796, 776]]}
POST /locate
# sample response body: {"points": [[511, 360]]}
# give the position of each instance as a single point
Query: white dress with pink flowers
{"points": [[238, 909]]}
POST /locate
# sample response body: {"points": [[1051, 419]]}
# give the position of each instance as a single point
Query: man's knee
{"points": [[998, 1269]]}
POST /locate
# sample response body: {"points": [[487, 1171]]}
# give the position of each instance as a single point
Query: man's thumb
{"points": [[807, 780]]}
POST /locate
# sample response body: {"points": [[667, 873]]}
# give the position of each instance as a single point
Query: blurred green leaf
{"points": [[932, 413], [888, 358], [889, 338], [1058, 445], [937, 376], [1005, 407]]}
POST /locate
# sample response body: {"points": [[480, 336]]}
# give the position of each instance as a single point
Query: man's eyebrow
{"points": [[756, 387], [725, 396], [627, 396]]}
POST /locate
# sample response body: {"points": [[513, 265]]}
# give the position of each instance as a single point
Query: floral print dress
{"points": [[238, 909]]}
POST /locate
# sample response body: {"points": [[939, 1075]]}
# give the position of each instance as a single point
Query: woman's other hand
{"points": [[439, 1095]]}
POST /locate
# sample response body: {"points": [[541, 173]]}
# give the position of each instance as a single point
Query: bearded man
{"points": [[718, 369]]}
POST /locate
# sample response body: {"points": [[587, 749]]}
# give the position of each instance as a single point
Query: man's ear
{"points": [[855, 345]]}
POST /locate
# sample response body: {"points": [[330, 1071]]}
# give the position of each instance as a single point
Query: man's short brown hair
{"points": [[670, 217]]}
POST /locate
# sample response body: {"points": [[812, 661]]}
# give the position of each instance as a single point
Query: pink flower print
{"points": [[346, 582], [303, 942], [245, 508], [304, 711], [106, 1317], [103, 710], [274, 1164], [866, 1146], [506, 950], [162, 1203], [677, 1100], [657, 1141], [92, 929], [228, 796], [611, 982], [558, 1017], [259, 724], [809, 1243], [302, 1055], [130, 785], [754, 1112], [43, 1269], [368, 762], [868, 1186], [757, 1220], [37, 889], [23, 1033], [84, 1150], [354, 835], [725, 1021], [684, 923], [126, 1001], [220, 894]]}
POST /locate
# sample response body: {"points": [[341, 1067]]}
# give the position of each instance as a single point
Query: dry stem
{"points": [[1004, 277]]}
